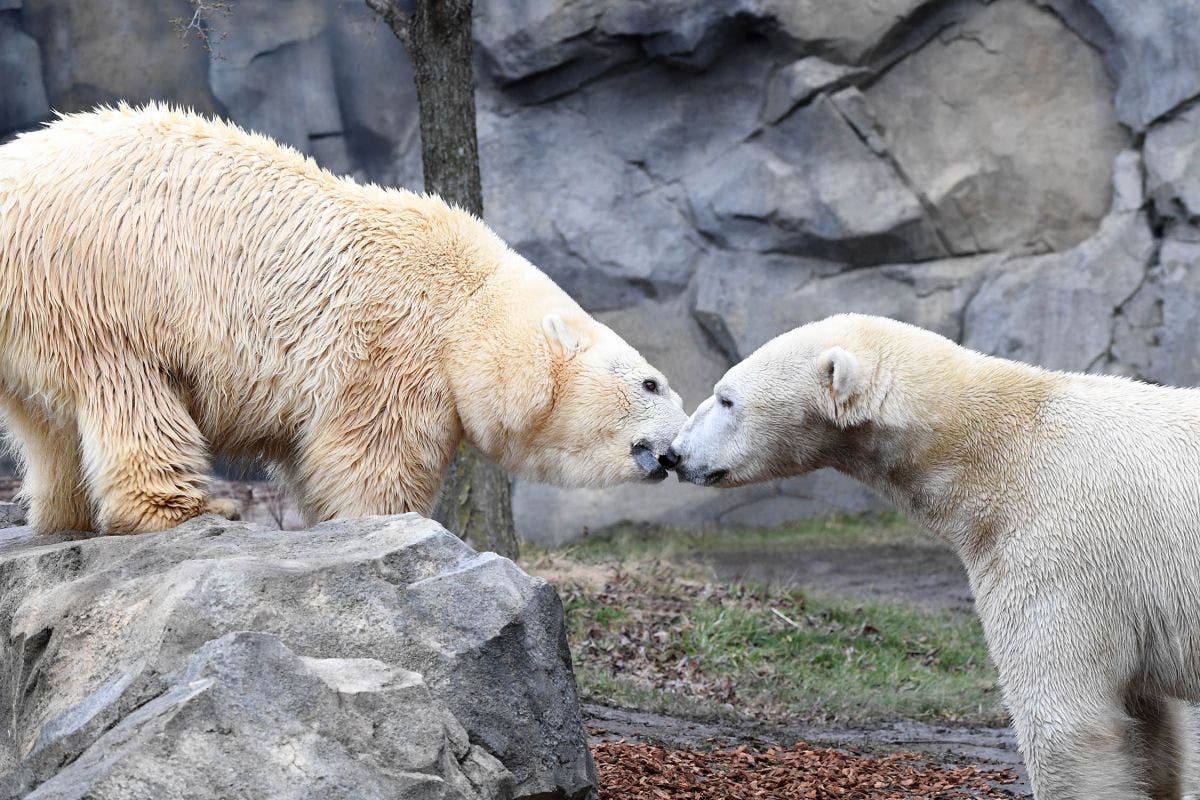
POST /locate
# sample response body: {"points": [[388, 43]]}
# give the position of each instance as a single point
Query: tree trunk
{"points": [[476, 498]]}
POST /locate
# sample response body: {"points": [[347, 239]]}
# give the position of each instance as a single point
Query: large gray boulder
{"points": [[362, 658], [247, 717]]}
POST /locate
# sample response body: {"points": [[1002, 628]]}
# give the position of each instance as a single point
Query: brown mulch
{"points": [[630, 771]]}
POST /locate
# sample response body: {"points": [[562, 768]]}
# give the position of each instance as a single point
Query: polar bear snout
{"points": [[663, 417], [702, 476], [702, 445], [654, 461]]}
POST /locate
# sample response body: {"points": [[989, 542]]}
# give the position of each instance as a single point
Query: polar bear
{"points": [[1072, 500], [174, 286]]}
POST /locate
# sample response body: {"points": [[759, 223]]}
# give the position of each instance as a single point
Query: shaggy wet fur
{"points": [[174, 285]]}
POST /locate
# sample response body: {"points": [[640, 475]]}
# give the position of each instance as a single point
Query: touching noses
{"points": [[669, 459]]}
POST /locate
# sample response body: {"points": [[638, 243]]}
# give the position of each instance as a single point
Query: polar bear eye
{"points": [[725, 402], [650, 385]]}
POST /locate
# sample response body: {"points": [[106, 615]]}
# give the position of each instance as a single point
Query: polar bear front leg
{"points": [[1078, 754], [1160, 744], [1075, 733], [390, 462], [145, 460], [353, 481]]}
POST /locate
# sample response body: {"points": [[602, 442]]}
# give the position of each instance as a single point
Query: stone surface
{"points": [[1172, 152], [1150, 46], [530, 38], [23, 102], [1004, 123], [741, 318], [377, 658], [245, 716], [11, 515], [799, 81], [703, 176], [810, 185], [276, 74], [1155, 334], [110, 50], [1059, 310], [296, 71], [607, 253]]}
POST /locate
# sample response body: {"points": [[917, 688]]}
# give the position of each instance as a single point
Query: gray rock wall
{"points": [[1021, 175]]}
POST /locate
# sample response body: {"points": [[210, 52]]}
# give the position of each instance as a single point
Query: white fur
{"points": [[1073, 501], [172, 286]]}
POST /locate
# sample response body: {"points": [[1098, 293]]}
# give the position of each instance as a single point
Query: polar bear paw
{"points": [[223, 507]]}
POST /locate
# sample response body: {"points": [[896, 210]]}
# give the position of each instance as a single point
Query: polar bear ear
{"points": [[842, 375], [563, 341]]}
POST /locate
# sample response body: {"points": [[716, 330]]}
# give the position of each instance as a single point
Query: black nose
{"points": [[669, 459]]}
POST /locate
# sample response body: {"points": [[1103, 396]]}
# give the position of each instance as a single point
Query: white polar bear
{"points": [[1073, 501], [172, 286]]}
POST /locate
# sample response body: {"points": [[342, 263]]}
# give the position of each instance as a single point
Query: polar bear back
{"points": [[186, 245]]}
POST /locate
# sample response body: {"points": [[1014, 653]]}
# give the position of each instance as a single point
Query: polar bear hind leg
{"points": [[52, 486]]}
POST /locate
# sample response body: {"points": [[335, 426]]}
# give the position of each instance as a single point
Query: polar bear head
{"points": [[794, 405], [613, 415], [555, 396]]}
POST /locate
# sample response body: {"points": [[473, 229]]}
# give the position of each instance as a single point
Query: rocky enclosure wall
{"points": [[1020, 175]]}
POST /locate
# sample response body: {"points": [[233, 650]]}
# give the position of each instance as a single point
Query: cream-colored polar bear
{"points": [[174, 286], [1073, 501]]}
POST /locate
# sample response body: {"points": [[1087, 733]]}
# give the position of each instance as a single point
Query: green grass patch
{"points": [[653, 635]]}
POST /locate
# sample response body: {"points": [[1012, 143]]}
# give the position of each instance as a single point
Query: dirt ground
{"points": [[927, 575]]}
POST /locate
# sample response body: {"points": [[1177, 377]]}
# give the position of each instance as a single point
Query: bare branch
{"points": [[391, 13], [275, 500], [199, 25]]}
